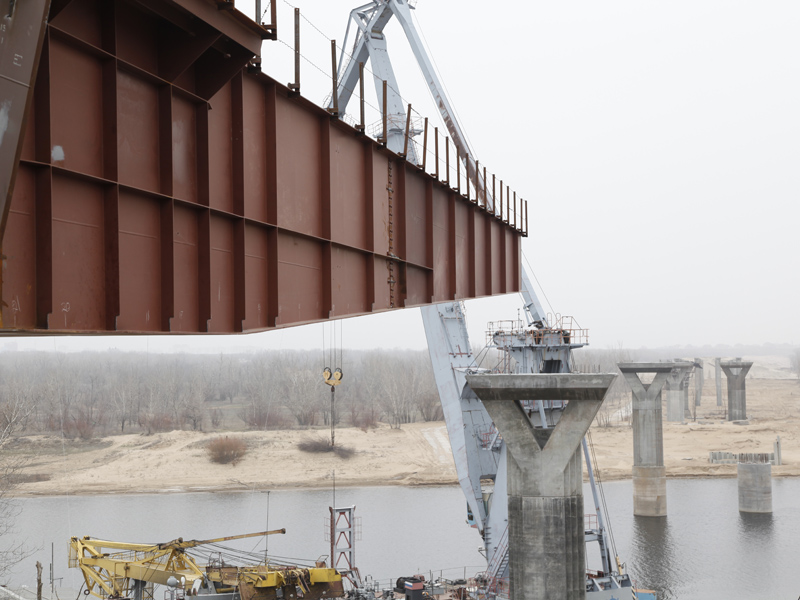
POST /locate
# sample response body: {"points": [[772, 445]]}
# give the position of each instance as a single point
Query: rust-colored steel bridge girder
{"points": [[165, 185]]}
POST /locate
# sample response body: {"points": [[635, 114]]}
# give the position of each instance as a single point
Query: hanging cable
{"points": [[353, 91], [532, 272], [346, 53], [438, 72], [602, 495], [332, 374]]}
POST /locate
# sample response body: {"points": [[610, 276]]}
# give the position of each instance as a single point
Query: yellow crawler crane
{"points": [[133, 566]]}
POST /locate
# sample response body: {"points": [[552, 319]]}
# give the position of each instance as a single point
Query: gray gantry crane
{"points": [[539, 344]]}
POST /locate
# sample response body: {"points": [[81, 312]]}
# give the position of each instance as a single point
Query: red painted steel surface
{"points": [[22, 27], [163, 187]]}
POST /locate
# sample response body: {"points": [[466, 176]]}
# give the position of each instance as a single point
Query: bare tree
{"points": [[227, 378], [124, 394], [301, 386], [430, 407], [259, 388], [398, 383], [16, 405], [363, 403], [83, 395]]}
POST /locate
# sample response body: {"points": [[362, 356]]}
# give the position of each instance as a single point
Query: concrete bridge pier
{"points": [[699, 378], [687, 411], [736, 372], [755, 487], [649, 474], [675, 384], [545, 498], [718, 380]]}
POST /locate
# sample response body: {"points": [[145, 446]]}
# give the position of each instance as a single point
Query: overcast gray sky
{"points": [[657, 142]]}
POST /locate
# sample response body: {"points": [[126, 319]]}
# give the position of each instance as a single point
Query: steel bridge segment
{"points": [[163, 187]]}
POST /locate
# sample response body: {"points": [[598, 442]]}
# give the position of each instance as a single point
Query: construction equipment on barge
{"points": [[128, 570]]}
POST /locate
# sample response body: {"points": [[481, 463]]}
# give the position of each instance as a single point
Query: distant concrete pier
{"points": [[649, 474], [755, 487], [687, 376], [736, 372], [718, 380], [545, 498], [674, 387], [699, 378]]}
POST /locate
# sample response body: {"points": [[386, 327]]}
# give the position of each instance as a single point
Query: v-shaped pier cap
{"points": [[736, 372], [545, 498]]}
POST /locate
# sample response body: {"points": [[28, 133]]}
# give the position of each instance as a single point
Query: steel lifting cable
{"points": [[80, 589], [232, 554], [366, 69], [341, 344], [327, 74], [227, 552], [441, 78], [332, 371], [332, 350], [539, 284], [64, 447], [602, 494], [350, 56]]}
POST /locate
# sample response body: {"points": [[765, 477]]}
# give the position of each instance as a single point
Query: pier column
{"points": [[736, 371], [687, 376], [718, 380], [699, 379], [675, 381], [545, 497], [649, 474], [755, 487]]}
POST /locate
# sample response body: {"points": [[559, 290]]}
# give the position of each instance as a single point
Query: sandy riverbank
{"points": [[417, 454]]}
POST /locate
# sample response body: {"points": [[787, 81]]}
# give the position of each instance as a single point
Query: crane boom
{"points": [[109, 574], [477, 449], [181, 544], [370, 43], [544, 345], [116, 574]]}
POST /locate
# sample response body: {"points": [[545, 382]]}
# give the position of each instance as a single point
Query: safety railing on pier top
{"points": [[561, 330], [436, 154]]}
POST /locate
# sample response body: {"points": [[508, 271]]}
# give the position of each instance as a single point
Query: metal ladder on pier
{"points": [[497, 565]]}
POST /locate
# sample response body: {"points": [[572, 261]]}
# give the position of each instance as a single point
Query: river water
{"points": [[704, 550]]}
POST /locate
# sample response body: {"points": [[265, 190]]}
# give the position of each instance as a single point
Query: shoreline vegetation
{"points": [[416, 454], [139, 430]]}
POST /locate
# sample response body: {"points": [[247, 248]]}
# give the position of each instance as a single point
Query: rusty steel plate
{"points": [[164, 187]]}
